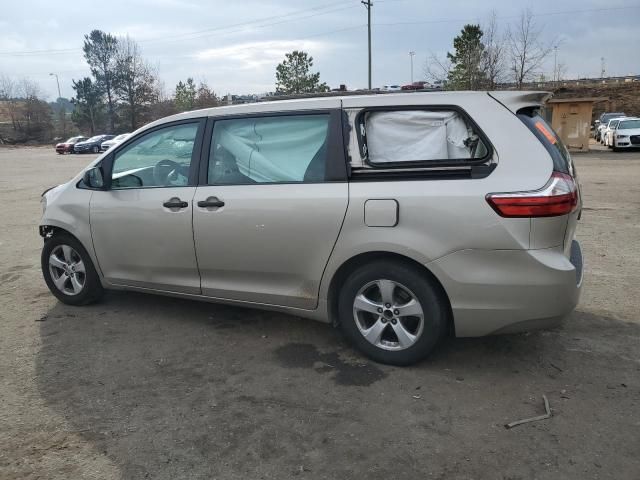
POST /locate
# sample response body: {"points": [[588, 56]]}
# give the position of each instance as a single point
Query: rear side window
{"points": [[551, 141], [399, 137], [269, 150]]}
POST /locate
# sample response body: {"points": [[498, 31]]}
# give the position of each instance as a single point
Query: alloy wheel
{"points": [[388, 315], [67, 270]]}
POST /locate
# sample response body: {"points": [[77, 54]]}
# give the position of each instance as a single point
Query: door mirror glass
{"points": [[93, 178]]}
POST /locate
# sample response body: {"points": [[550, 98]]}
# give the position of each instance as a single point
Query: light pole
{"points": [[555, 64], [57, 81], [63, 112], [411, 55]]}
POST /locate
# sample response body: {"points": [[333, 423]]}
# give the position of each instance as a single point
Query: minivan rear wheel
{"points": [[69, 271], [392, 312]]}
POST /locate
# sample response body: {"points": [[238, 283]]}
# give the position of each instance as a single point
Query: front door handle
{"points": [[211, 202], [175, 203]]}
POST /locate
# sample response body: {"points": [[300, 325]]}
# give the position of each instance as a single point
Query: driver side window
{"points": [[158, 159]]}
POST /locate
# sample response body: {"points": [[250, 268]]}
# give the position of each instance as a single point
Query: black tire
{"points": [[91, 290], [424, 289]]}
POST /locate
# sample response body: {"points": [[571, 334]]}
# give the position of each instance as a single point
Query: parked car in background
{"points": [[391, 88], [92, 145], [607, 133], [400, 218], [104, 146], [626, 134], [603, 122], [416, 86], [67, 147]]}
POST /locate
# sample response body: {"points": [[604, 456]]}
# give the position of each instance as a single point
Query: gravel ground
{"points": [[149, 387]]}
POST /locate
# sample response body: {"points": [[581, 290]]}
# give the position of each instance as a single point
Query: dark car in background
{"points": [[67, 147], [91, 145], [416, 86]]}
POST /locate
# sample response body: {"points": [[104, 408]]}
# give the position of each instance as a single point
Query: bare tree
{"points": [[526, 51], [36, 112], [493, 61], [136, 81], [560, 70], [436, 69], [9, 94]]}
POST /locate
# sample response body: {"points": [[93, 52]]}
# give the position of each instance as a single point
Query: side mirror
{"points": [[93, 178]]}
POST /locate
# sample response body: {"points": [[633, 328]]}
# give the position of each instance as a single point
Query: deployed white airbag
{"points": [[273, 149], [416, 135]]}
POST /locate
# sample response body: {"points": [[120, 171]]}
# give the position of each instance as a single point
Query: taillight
{"points": [[558, 197]]}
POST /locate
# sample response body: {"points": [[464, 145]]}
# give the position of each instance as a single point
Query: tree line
{"points": [[483, 57], [124, 91]]}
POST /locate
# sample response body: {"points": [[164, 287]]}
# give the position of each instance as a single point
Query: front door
{"points": [[271, 207], [142, 226]]}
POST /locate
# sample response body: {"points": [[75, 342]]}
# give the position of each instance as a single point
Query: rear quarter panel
{"points": [[438, 216]]}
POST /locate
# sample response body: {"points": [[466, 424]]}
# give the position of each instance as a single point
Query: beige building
{"points": [[571, 119]]}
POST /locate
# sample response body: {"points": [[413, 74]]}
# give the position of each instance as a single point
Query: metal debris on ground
{"points": [[533, 419]]}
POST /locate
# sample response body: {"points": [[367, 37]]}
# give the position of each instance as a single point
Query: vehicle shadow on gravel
{"points": [[171, 388]]}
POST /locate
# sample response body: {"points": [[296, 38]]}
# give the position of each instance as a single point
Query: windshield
{"points": [[95, 139], [627, 124], [608, 116], [613, 123]]}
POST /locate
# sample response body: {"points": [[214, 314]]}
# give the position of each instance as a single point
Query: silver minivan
{"points": [[400, 218]]}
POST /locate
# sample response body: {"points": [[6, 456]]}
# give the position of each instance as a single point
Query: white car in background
{"points": [[602, 122], [626, 134], [104, 146], [391, 88], [607, 134]]}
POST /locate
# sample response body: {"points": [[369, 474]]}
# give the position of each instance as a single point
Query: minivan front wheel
{"points": [[69, 271], [392, 312]]}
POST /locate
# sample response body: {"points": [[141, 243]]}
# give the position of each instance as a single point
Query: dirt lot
{"points": [[149, 387]]}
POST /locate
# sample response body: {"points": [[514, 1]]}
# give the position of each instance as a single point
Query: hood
{"points": [[628, 132]]}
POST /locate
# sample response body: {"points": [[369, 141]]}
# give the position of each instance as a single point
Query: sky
{"points": [[235, 45]]}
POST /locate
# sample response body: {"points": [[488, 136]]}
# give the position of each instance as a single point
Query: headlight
{"points": [[619, 137], [43, 202]]}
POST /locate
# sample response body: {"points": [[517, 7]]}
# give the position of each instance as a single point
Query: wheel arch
{"points": [[48, 229], [360, 259]]}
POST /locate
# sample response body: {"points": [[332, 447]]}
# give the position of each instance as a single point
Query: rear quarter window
{"points": [[549, 138], [418, 137]]}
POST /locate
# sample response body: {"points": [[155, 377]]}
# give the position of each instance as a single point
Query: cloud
{"points": [[258, 54]]}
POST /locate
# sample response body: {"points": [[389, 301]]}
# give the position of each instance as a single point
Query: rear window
{"points": [[551, 141], [405, 137]]}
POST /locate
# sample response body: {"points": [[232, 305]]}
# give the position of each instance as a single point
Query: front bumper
{"points": [[508, 291], [626, 143]]}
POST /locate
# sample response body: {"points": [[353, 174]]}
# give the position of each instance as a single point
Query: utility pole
{"points": [[555, 64], [602, 71], [63, 110], [411, 55], [368, 4]]}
